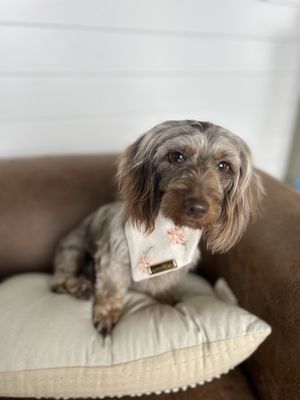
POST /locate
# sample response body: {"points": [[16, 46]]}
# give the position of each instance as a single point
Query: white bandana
{"points": [[166, 249]]}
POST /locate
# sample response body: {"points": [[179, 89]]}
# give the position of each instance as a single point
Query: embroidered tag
{"points": [[164, 250]]}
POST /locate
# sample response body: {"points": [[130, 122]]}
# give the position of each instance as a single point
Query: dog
{"points": [[197, 174]]}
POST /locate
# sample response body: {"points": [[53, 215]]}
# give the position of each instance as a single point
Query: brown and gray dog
{"points": [[198, 174]]}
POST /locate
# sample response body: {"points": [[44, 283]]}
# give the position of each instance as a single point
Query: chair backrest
{"points": [[42, 198]]}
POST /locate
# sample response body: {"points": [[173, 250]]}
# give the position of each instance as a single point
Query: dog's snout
{"points": [[195, 208]]}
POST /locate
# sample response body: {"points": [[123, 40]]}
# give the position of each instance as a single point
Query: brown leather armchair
{"points": [[42, 198]]}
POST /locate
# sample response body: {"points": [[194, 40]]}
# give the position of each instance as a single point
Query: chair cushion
{"points": [[49, 347]]}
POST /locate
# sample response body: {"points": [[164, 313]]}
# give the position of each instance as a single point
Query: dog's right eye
{"points": [[176, 157], [223, 167]]}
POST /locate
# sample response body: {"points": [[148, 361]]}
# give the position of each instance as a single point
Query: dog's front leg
{"points": [[110, 288], [70, 259]]}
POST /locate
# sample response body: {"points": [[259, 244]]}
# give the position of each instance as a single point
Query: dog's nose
{"points": [[195, 208]]}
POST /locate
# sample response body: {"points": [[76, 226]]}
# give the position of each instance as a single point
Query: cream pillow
{"points": [[49, 347]]}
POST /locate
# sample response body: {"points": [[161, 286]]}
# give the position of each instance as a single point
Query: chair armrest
{"points": [[263, 270]]}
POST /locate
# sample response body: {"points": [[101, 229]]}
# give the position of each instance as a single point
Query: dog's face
{"points": [[199, 174]]}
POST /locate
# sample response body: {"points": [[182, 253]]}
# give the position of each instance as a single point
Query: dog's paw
{"points": [[106, 314], [79, 287], [58, 284]]}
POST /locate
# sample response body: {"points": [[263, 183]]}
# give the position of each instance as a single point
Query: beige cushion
{"points": [[49, 347]]}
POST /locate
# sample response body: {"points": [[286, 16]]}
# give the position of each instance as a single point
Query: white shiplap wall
{"points": [[80, 76]]}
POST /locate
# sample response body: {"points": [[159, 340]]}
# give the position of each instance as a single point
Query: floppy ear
{"points": [[240, 203], [138, 185]]}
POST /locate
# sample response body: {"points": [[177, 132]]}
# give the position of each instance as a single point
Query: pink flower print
{"points": [[145, 262], [176, 235]]}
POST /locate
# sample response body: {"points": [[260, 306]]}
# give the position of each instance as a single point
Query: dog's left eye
{"points": [[223, 167], [176, 157]]}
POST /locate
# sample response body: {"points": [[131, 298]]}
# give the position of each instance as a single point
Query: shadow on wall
{"points": [[293, 168]]}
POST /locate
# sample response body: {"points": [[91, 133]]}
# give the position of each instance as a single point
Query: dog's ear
{"points": [[138, 185], [241, 203]]}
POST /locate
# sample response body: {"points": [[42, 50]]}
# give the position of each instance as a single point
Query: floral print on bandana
{"points": [[150, 254], [176, 235], [145, 261]]}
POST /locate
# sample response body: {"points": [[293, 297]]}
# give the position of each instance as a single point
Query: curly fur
{"points": [[148, 182]]}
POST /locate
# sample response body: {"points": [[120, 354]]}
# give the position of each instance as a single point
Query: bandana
{"points": [[164, 250]]}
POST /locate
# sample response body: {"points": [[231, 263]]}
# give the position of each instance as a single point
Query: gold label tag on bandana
{"points": [[162, 267]]}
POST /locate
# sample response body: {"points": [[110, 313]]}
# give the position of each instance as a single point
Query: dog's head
{"points": [[200, 175]]}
